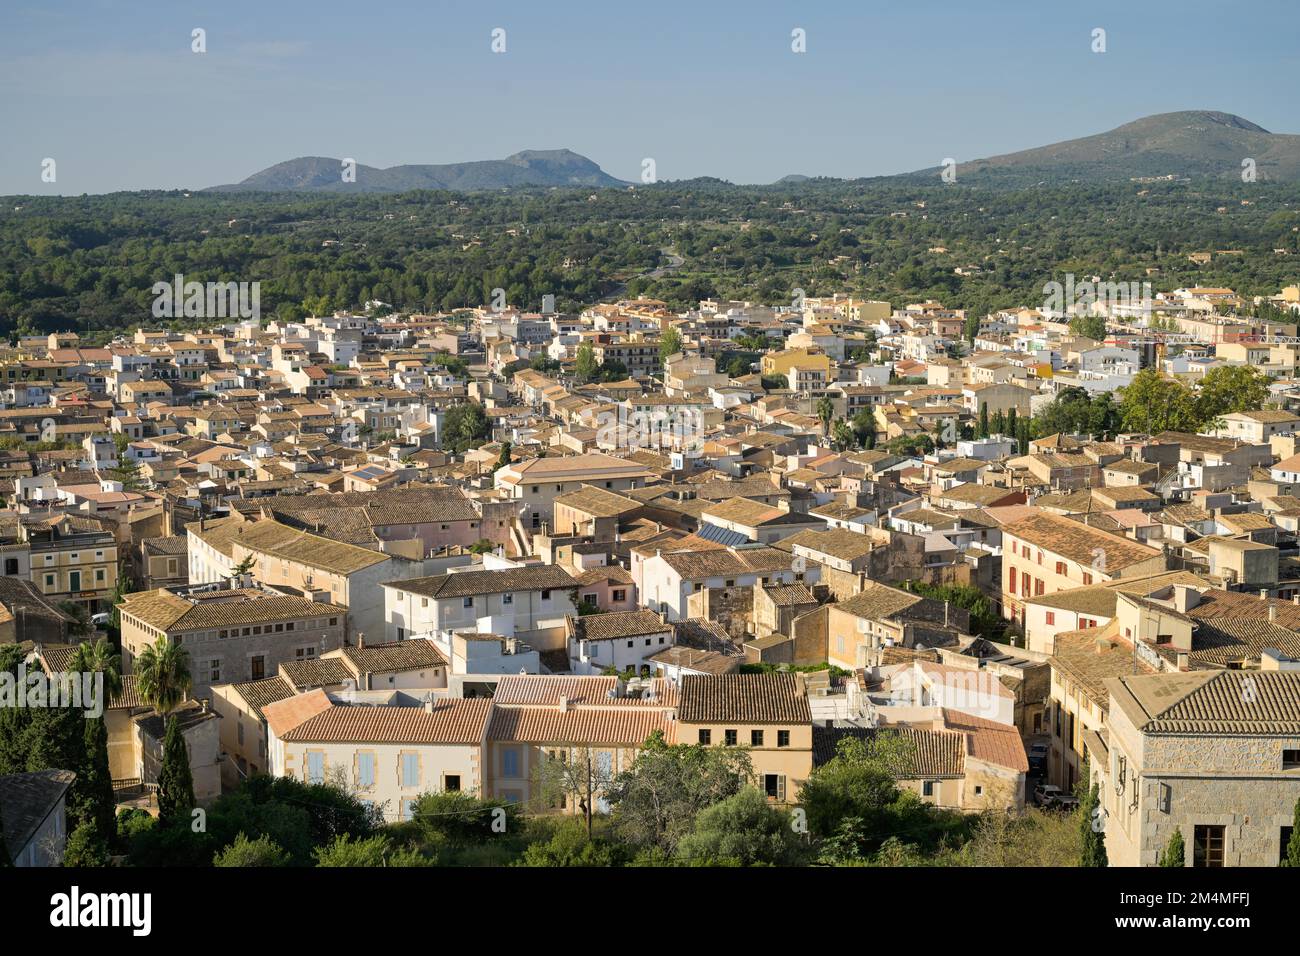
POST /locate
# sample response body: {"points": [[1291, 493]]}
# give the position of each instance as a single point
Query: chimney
{"points": [[1102, 645], [1272, 613], [1263, 594], [1183, 660], [564, 705], [361, 639]]}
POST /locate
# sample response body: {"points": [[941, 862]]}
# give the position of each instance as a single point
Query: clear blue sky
{"points": [[112, 92]]}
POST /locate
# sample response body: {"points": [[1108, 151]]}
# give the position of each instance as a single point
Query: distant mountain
{"points": [[792, 179], [531, 167], [1190, 143]]}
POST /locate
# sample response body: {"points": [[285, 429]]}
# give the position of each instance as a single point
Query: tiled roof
{"points": [[442, 722], [546, 691], [316, 672], [618, 624], [1078, 542], [26, 799], [257, 694], [931, 754], [744, 698], [1218, 702], [282, 716], [540, 577], [167, 611], [413, 655], [586, 725]]}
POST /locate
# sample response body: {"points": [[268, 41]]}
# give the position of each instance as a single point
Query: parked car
{"points": [[1047, 794], [1067, 802]]}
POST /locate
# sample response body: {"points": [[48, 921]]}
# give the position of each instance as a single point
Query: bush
{"points": [[245, 852], [370, 852], [85, 847]]}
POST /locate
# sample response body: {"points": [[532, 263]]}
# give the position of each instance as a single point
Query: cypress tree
{"points": [[1293, 845], [1174, 852], [100, 808], [175, 782], [1093, 852]]}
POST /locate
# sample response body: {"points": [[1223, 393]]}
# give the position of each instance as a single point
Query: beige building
{"points": [[389, 755], [235, 635], [1213, 754], [767, 714]]}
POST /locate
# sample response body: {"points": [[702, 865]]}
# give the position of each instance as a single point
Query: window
{"points": [[468, 602], [619, 595], [730, 737], [1038, 586], [257, 667], [706, 737], [11, 565], [507, 598], [756, 738], [783, 738], [1051, 618], [408, 809], [510, 762], [1087, 578], [1060, 568], [1207, 847], [1291, 759], [74, 580], [927, 788], [213, 670], [774, 786], [546, 595], [410, 770], [49, 580], [365, 769], [1011, 582], [315, 766], [451, 783]]}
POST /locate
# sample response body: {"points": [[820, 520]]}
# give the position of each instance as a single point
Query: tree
{"points": [[670, 343], [982, 429], [1230, 388], [742, 830], [825, 411], [1091, 822], [1089, 326], [86, 846], [175, 781], [585, 367], [465, 426], [93, 789], [245, 852], [245, 566], [99, 658], [1293, 845], [854, 798], [503, 459], [843, 436], [656, 800], [1172, 854], [578, 773], [1153, 403], [163, 675]]}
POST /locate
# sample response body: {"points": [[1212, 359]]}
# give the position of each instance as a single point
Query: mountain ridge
{"points": [[526, 168]]}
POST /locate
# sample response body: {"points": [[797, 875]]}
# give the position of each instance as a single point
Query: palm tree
{"points": [[163, 675], [825, 411], [100, 658]]}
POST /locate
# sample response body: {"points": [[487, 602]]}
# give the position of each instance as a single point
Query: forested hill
{"points": [[88, 263], [531, 167]]}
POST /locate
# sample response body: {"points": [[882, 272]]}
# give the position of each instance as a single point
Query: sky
{"points": [[114, 93]]}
